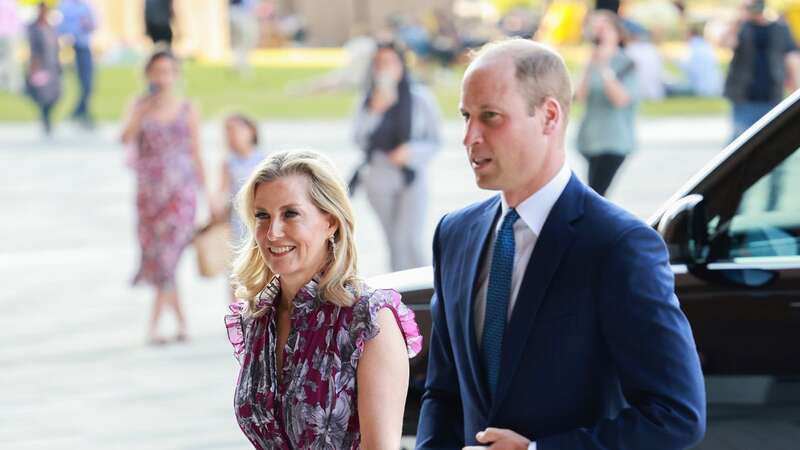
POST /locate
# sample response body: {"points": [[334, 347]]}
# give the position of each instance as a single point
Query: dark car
{"points": [[733, 233]]}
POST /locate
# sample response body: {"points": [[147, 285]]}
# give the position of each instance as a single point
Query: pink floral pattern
{"points": [[166, 176], [314, 404]]}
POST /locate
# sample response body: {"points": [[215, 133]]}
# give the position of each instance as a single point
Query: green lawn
{"points": [[264, 95]]}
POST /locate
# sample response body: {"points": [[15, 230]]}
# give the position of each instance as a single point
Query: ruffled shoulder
{"points": [[234, 322], [365, 319]]}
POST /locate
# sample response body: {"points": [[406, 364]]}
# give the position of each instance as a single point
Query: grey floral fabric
{"points": [[313, 405]]}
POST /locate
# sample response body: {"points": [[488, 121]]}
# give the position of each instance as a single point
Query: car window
{"points": [[766, 221]]}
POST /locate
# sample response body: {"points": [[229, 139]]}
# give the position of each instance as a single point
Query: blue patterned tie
{"points": [[494, 323]]}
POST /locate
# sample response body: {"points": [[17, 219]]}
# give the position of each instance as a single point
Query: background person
{"points": [[163, 127], [78, 22], [765, 57], [43, 78], [158, 15], [700, 72], [244, 155], [244, 28], [607, 134], [10, 29], [640, 48], [397, 127]]}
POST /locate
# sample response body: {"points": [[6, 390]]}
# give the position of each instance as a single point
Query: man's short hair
{"points": [[540, 70]]}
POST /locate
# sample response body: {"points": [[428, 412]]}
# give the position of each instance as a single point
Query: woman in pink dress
{"points": [[163, 129], [324, 358]]}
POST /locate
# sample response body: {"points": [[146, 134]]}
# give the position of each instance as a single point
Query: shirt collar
{"points": [[534, 210]]}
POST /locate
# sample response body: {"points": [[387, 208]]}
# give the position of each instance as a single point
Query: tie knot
{"points": [[509, 219]]}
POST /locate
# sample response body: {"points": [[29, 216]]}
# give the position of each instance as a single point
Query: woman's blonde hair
{"points": [[339, 283]]}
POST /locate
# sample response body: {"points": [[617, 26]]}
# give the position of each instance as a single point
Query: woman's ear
{"points": [[333, 225]]}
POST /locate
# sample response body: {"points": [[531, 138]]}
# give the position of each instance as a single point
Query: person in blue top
{"points": [[78, 22], [244, 155], [701, 76]]}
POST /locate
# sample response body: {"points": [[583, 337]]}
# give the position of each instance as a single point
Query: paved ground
{"points": [[74, 370]]}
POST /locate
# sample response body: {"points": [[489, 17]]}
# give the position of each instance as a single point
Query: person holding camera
{"points": [[162, 129], [609, 90], [397, 127]]}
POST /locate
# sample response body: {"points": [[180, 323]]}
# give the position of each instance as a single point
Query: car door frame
{"points": [[742, 329]]}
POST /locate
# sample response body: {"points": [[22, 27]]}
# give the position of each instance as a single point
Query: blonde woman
{"points": [[324, 358]]}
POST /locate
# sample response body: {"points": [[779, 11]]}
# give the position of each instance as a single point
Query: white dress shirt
{"points": [[533, 212]]}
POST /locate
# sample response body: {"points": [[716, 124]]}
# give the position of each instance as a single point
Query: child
{"points": [[244, 155]]}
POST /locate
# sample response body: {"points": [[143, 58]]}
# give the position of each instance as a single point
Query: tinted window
{"points": [[758, 215]]}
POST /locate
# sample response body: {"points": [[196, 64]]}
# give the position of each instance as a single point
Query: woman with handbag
{"points": [[609, 89], [43, 78], [324, 358], [163, 128]]}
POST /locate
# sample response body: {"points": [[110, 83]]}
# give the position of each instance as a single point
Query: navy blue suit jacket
{"points": [[597, 354]]}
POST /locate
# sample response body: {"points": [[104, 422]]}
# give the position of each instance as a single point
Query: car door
{"points": [[741, 291]]}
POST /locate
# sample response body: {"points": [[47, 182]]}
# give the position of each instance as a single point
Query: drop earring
{"points": [[332, 243]]}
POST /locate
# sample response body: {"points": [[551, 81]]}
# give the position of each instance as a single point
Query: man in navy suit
{"points": [[555, 323]]}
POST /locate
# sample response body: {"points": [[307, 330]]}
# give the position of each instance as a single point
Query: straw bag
{"points": [[213, 248]]}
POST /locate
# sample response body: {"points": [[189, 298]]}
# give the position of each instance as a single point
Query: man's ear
{"points": [[552, 115]]}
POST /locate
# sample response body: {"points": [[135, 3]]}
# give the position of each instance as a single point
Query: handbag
{"points": [[213, 248]]}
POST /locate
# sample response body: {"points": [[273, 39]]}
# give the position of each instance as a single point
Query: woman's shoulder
{"points": [[364, 325], [235, 323], [370, 297]]}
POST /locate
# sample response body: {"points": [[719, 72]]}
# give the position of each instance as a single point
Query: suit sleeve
{"points": [[441, 419], [652, 348]]}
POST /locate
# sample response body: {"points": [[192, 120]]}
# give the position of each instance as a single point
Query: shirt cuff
{"points": [[532, 446]]}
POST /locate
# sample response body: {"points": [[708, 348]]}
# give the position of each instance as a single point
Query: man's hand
{"points": [[500, 439]]}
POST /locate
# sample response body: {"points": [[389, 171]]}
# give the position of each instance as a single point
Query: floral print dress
{"points": [[167, 181], [314, 405]]}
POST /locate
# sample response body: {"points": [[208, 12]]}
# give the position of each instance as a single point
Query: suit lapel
{"points": [[554, 240], [476, 242]]}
